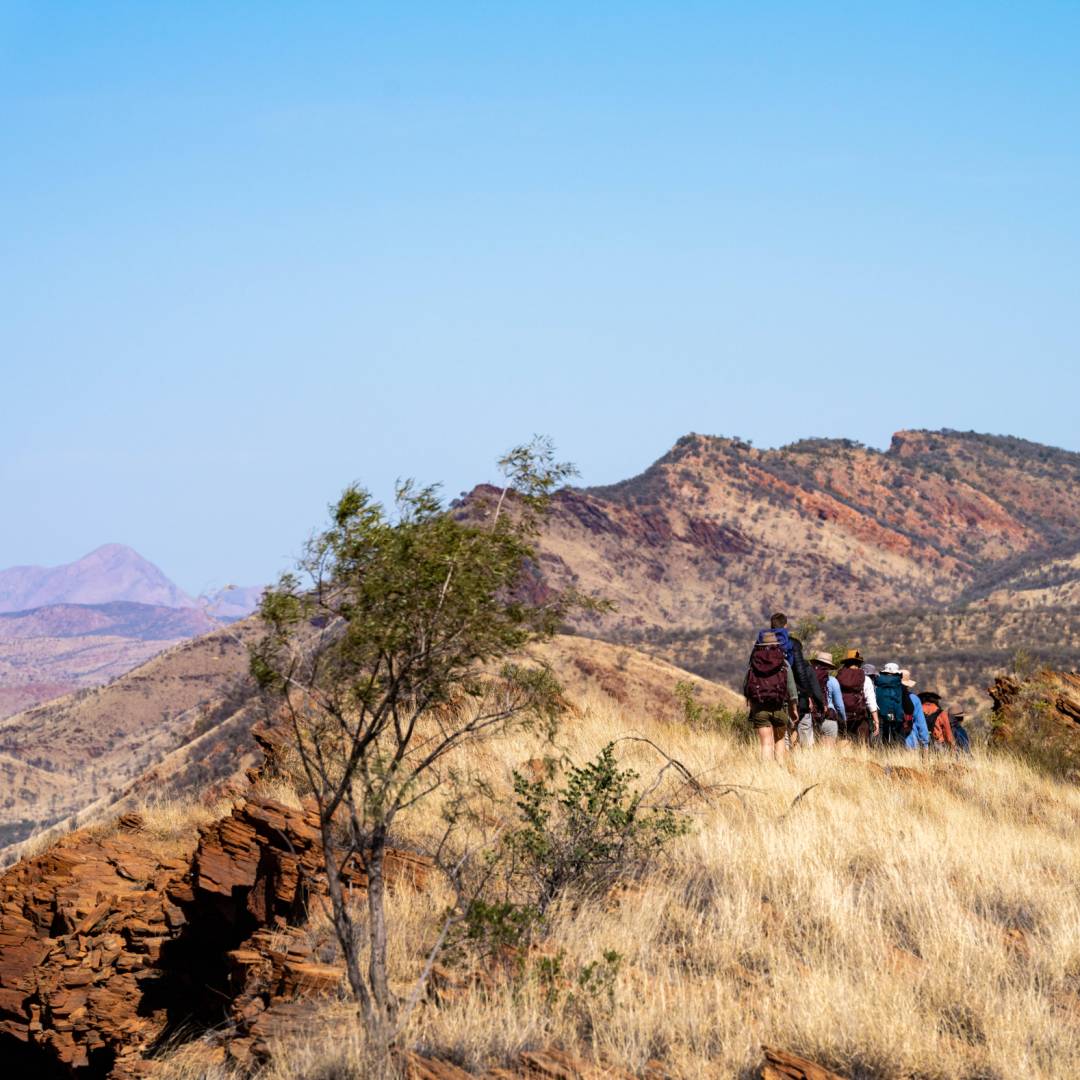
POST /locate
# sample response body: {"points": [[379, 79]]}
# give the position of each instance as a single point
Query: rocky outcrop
{"points": [[782, 1065], [1039, 717], [82, 933], [108, 946]]}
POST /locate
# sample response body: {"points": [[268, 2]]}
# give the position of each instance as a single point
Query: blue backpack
{"points": [[890, 697], [784, 638]]}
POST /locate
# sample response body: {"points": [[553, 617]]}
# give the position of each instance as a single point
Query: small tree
{"points": [[387, 651]]}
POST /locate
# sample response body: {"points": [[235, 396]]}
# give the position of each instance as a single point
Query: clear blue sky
{"points": [[254, 251]]}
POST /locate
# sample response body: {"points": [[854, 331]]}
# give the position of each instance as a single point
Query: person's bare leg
{"points": [[779, 736], [767, 743]]}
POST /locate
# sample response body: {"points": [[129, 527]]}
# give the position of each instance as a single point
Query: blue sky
{"points": [[252, 252]]}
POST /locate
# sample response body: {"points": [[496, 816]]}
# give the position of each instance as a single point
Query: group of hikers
{"points": [[795, 701]]}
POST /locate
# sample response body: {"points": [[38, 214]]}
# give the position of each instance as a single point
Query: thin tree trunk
{"points": [[378, 978], [343, 927]]}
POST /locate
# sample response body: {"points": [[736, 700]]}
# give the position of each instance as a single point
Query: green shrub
{"points": [[587, 835]]}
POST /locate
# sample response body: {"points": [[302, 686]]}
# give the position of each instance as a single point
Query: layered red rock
{"points": [[106, 944]]}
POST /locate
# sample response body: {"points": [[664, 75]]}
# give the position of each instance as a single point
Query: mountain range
{"points": [[111, 573], [717, 532], [70, 627]]}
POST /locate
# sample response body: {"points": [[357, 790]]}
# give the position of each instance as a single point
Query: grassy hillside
{"points": [[889, 918]]}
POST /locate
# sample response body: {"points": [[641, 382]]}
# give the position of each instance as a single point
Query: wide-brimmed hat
{"points": [[870, 670], [929, 695], [769, 638], [853, 654], [822, 658], [907, 681], [957, 714], [891, 669]]}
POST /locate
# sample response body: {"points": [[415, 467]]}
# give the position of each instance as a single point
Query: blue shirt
{"points": [[834, 696], [920, 733]]}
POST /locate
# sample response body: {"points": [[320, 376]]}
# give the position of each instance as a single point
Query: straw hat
{"points": [[853, 655], [822, 658], [907, 680], [769, 639], [891, 669]]}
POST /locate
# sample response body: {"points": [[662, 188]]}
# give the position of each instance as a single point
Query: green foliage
{"points": [[389, 648], [1022, 663], [838, 650], [588, 834], [701, 717], [808, 628], [392, 616], [495, 927], [591, 984]]}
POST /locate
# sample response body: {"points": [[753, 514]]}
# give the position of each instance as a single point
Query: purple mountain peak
{"points": [[108, 573]]}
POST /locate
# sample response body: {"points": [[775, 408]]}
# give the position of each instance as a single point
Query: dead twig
{"points": [[798, 799]]}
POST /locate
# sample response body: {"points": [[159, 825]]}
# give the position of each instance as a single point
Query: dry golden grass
{"points": [[888, 927], [172, 822]]}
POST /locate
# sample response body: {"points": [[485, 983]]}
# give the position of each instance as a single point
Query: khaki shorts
{"points": [[760, 718]]}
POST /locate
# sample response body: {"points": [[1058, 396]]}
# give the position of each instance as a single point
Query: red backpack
{"points": [[852, 680], [823, 681], [766, 680]]}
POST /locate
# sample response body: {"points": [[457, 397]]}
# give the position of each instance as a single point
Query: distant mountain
{"points": [[232, 602], [110, 573], [66, 628]]}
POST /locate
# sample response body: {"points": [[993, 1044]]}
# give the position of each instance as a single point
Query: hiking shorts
{"points": [[762, 717], [828, 729]]}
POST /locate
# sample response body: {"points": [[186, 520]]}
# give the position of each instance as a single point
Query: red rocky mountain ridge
{"points": [[718, 532]]}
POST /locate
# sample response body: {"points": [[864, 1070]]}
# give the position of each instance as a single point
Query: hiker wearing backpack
{"points": [[963, 739], [828, 714], [915, 730], [860, 699], [771, 695], [811, 695], [889, 690], [778, 628], [937, 721]]}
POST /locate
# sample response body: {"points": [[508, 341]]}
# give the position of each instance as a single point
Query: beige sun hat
{"points": [[907, 680], [891, 669], [769, 639], [822, 658]]}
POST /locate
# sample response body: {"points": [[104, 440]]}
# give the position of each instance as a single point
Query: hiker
{"points": [[860, 700], [806, 683], [811, 696], [828, 714], [963, 739], [889, 690], [778, 627], [771, 694], [937, 721], [916, 733]]}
